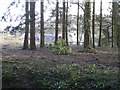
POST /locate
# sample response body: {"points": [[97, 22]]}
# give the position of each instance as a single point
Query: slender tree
{"points": [[67, 24], [118, 29], [32, 25], [93, 24], [118, 34], [114, 23], [100, 32], [78, 24], [87, 25], [57, 21], [42, 25], [63, 20], [25, 44]]}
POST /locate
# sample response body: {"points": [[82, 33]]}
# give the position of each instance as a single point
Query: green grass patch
{"points": [[46, 74]]}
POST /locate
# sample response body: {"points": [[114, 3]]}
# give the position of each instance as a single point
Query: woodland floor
{"points": [[103, 58], [13, 55]]}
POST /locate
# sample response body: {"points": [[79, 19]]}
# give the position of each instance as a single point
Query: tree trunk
{"points": [[42, 25], [57, 21], [93, 24], [67, 24], [25, 44], [114, 24], [108, 36], [118, 27], [99, 43], [78, 24], [87, 25], [32, 25], [63, 24]]}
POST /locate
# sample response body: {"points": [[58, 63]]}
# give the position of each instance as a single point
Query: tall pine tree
{"points": [[57, 21], [25, 44], [87, 24], [32, 25], [42, 25]]}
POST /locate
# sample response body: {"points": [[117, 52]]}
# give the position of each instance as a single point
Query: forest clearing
{"points": [[42, 69], [60, 45]]}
